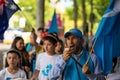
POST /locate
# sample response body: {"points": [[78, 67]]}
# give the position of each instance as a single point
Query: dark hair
{"points": [[12, 51], [115, 62], [62, 44], [23, 51], [52, 37], [33, 33], [40, 29], [15, 41]]}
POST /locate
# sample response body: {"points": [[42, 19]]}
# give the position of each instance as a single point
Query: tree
{"points": [[40, 13], [85, 24], [75, 13]]}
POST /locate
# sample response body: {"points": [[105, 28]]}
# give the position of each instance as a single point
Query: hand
{"points": [[85, 70], [33, 78], [66, 54], [27, 68], [31, 52]]}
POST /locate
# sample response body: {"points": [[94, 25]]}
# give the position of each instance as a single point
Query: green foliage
{"points": [[29, 12], [49, 10]]}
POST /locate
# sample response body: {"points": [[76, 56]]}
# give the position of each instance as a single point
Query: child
{"points": [[12, 71], [33, 48], [46, 60], [60, 47]]}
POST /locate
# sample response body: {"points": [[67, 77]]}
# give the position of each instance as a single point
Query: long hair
{"points": [[23, 51]]}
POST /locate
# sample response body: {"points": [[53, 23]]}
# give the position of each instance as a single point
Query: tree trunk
{"points": [[85, 24], [91, 15], [40, 14], [75, 13]]}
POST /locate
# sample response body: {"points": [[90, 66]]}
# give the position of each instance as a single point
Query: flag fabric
{"points": [[7, 9], [108, 36], [53, 25]]}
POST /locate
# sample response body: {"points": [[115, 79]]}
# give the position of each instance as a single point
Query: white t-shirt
{"points": [[4, 74], [38, 40], [44, 64], [113, 76]]}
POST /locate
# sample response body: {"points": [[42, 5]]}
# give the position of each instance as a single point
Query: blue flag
{"points": [[7, 9], [108, 36], [53, 26]]}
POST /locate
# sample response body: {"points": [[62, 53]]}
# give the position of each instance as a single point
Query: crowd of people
{"points": [[47, 57]]}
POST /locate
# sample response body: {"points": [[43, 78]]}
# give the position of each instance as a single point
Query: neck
{"points": [[51, 53], [12, 69], [79, 52]]}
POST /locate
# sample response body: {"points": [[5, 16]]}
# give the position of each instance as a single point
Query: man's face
{"points": [[73, 43]]}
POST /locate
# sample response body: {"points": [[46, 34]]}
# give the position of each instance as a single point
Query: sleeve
{"points": [[98, 73], [23, 74], [57, 70], [2, 74]]}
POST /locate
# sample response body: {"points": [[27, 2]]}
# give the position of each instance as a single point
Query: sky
{"points": [[62, 5]]}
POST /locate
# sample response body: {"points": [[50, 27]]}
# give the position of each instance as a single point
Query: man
{"points": [[70, 64]]}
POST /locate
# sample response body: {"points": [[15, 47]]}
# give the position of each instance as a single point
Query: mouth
{"points": [[72, 47]]}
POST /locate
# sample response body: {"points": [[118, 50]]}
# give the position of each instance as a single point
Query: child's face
{"points": [[48, 46], [12, 59], [58, 47], [20, 44]]}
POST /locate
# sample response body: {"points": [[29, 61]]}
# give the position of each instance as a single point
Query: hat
{"points": [[53, 35], [75, 32]]}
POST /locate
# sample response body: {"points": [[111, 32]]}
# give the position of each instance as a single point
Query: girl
{"points": [[18, 44], [12, 71]]}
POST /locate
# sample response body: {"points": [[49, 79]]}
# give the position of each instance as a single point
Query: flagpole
{"points": [[91, 51], [26, 18]]}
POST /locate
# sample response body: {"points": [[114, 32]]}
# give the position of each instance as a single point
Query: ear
{"points": [[81, 41], [56, 45]]}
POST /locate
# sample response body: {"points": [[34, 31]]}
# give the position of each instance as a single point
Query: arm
{"points": [[98, 73], [35, 75]]}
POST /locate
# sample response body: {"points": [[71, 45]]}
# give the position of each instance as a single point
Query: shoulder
{"points": [[21, 72], [3, 71], [42, 54]]}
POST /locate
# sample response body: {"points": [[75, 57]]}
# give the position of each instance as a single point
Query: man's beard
{"points": [[78, 48]]}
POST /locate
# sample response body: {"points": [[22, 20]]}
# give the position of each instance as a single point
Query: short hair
{"points": [[52, 37], [40, 29], [114, 60], [12, 50]]}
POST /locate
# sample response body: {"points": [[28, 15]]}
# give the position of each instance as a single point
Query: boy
{"points": [[46, 60]]}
